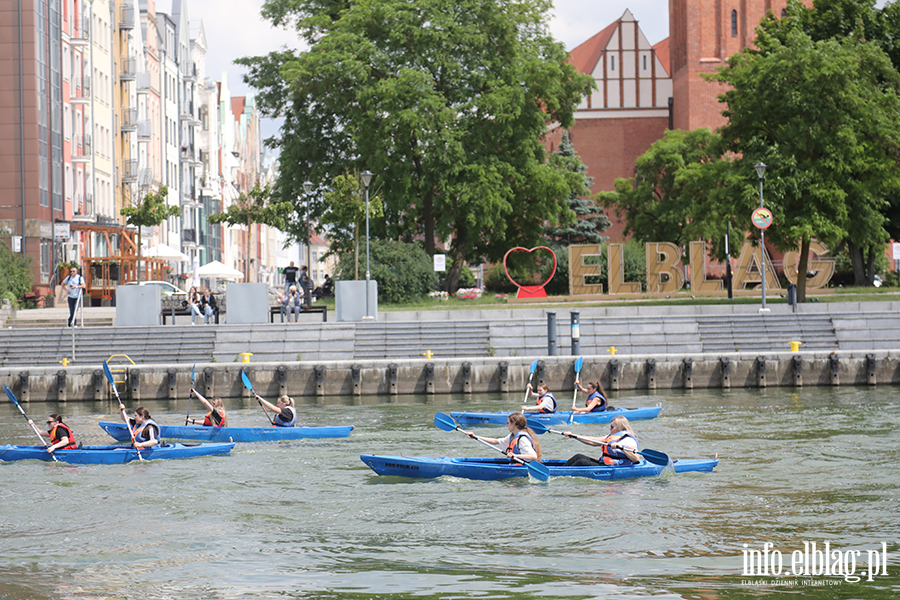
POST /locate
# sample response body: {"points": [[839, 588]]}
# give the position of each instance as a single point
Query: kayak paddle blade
{"points": [[108, 373], [537, 427], [655, 457], [246, 381], [445, 422], [539, 471], [533, 367], [10, 395], [578, 364], [193, 372]]}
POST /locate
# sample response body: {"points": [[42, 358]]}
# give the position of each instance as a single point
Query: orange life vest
{"points": [[615, 456], [208, 421], [55, 436]]}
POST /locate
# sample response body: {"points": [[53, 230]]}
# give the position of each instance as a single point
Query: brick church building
{"points": [[644, 89]]}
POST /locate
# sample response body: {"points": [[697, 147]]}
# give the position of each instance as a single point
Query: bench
{"points": [[182, 312], [277, 310]]}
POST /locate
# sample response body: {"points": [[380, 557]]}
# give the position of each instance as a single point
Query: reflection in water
{"points": [[307, 519]]}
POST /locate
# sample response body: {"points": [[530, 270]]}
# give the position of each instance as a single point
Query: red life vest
{"points": [[208, 419], [55, 438], [614, 456]]}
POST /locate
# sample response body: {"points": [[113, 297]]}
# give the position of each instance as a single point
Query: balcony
{"points": [[82, 35], [84, 97], [126, 16], [128, 70], [143, 83], [189, 72], [129, 170], [81, 148], [144, 130], [129, 119], [189, 237], [186, 112]]}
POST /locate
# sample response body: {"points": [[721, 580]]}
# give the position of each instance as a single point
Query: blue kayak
{"points": [[503, 468], [558, 418], [231, 434], [102, 455]]}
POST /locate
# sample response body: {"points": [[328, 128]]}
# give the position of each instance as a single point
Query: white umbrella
{"points": [[217, 269], [165, 252]]}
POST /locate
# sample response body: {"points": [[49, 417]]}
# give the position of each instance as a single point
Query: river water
{"points": [[307, 519]]}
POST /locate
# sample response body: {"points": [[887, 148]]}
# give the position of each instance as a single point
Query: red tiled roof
{"points": [[586, 54], [662, 53]]}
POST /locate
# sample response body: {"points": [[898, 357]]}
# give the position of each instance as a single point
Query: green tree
{"points": [[677, 175], [584, 223], [823, 116], [255, 206], [15, 274], [149, 212], [446, 103], [345, 214], [842, 20], [404, 272]]}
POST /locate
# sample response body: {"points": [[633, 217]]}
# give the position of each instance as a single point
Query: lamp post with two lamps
{"points": [[367, 178], [307, 294]]}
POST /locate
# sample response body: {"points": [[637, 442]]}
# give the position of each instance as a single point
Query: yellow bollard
{"points": [[795, 346], [64, 362], [612, 350], [428, 354], [245, 356]]}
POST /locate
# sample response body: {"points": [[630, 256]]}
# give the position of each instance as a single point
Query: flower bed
{"points": [[468, 293]]}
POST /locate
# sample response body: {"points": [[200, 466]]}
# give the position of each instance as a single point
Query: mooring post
{"points": [[320, 380], [61, 385], [688, 373], [576, 332], [172, 374], [835, 369], [761, 371], [355, 375], [134, 383], [726, 372], [651, 373], [503, 368], [797, 367], [24, 390], [614, 374], [429, 378]]}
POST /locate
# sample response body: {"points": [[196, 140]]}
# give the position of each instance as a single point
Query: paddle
{"points": [[575, 393], [530, 375], [12, 397], [191, 395], [112, 382], [249, 386], [537, 470], [652, 456]]}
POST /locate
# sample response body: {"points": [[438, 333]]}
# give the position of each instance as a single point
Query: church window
{"points": [[734, 22]]}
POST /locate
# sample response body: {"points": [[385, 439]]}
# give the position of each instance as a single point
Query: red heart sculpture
{"points": [[530, 291]]}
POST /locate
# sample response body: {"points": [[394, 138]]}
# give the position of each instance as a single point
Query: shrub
{"points": [[404, 272]]}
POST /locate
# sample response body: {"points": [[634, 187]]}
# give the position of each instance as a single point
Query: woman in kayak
{"points": [[546, 402], [285, 413], [216, 416], [61, 436], [521, 441], [596, 400], [144, 428], [617, 446]]}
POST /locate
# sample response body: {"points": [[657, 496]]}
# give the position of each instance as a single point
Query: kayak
{"points": [[558, 418], [102, 455], [503, 468], [231, 434]]}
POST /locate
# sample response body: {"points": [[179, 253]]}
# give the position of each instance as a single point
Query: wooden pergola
{"points": [[103, 273]]}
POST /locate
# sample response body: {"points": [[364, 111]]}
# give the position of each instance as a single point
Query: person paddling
{"points": [[546, 401], [596, 400], [145, 429], [216, 417], [521, 441], [60, 434], [616, 446], [285, 413]]}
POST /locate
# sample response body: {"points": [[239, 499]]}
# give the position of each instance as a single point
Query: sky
{"points": [[239, 30]]}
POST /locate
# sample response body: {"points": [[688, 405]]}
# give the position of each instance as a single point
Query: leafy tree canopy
{"points": [[15, 274], [345, 214], [149, 212], [404, 272], [446, 102]]}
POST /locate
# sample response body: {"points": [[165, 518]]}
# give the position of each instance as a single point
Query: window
{"points": [[612, 62], [645, 62], [734, 22], [783, 13]]}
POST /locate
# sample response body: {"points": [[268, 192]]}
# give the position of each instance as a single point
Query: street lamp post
{"points": [[367, 178], [307, 295], [761, 171]]}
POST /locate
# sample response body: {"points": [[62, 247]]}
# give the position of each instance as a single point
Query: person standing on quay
{"points": [[290, 277], [74, 284], [305, 285]]}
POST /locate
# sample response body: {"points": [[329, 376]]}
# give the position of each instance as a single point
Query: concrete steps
{"points": [[770, 333], [414, 339], [29, 347]]}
